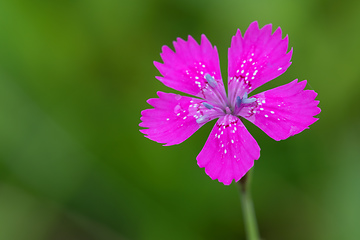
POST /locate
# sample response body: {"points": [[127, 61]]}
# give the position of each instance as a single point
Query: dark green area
{"points": [[74, 77]]}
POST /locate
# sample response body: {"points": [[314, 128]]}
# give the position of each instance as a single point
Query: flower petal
{"points": [[185, 69], [229, 152], [256, 58], [173, 119], [283, 111]]}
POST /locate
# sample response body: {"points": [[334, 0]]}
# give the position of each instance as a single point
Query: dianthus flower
{"points": [[193, 68]]}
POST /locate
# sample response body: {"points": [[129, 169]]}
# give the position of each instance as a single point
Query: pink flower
{"points": [[254, 59]]}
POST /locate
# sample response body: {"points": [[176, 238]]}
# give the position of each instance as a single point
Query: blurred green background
{"points": [[74, 77]]}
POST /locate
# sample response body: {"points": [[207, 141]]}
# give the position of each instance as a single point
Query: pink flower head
{"points": [[194, 68]]}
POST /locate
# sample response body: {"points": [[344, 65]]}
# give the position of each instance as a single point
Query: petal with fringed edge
{"points": [[185, 69], [174, 118], [229, 152], [283, 111], [256, 58]]}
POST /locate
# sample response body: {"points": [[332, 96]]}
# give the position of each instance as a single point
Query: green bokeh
{"points": [[74, 77]]}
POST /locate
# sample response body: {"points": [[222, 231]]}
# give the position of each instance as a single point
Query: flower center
{"points": [[219, 104]]}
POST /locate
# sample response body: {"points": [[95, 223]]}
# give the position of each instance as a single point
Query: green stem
{"points": [[251, 228]]}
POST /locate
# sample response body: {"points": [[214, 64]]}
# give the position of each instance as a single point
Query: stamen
{"points": [[249, 100], [212, 82], [238, 101], [246, 100], [208, 106]]}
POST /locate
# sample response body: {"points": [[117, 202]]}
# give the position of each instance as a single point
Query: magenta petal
{"points": [[256, 58], [173, 118], [283, 111], [185, 69], [229, 152]]}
